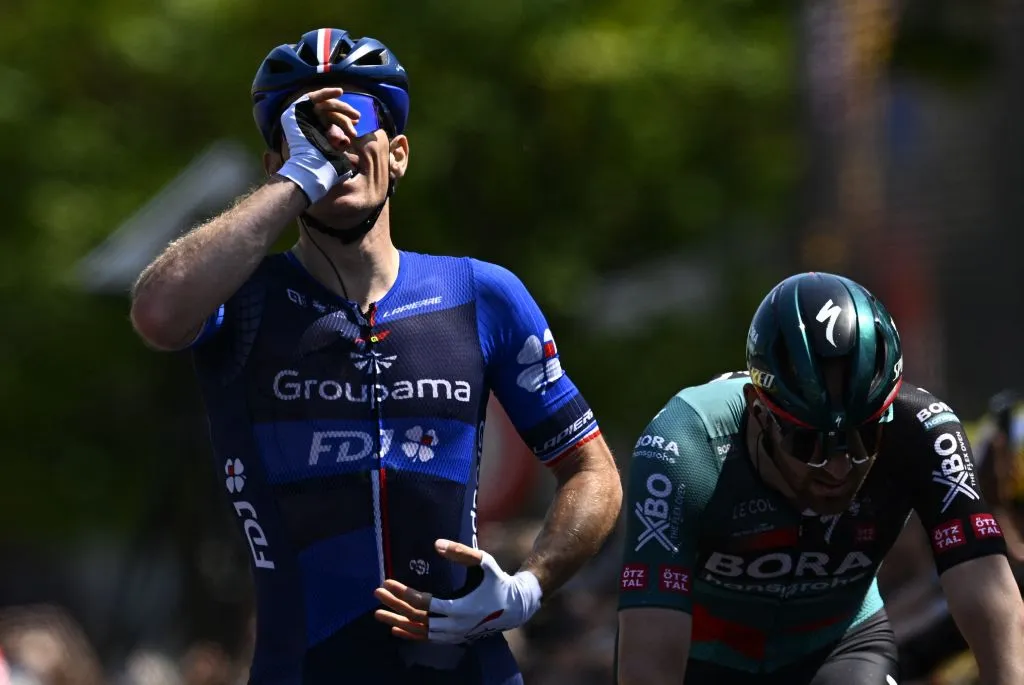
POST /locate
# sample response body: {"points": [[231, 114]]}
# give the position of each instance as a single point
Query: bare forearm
{"points": [[996, 641], [986, 605], [200, 271], [580, 519]]}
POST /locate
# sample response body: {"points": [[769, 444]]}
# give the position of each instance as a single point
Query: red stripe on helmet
{"points": [[888, 400], [325, 55], [780, 412]]}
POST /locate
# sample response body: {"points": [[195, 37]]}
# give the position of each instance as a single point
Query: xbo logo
{"points": [[654, 513], [954, 472]]}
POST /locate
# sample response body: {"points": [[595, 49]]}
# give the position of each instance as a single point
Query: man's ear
{"points": [[755, 407], [750, 395], [398, 159]]}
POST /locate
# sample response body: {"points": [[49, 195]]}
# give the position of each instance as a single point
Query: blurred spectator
{"points": [[146, 667], [206, 663], [47, 644]]}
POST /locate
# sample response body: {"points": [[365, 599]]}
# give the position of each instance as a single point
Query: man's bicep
{"points": [[524, 368], [653, 646]]}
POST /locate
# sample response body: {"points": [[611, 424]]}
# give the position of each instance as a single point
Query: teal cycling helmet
{"points": [[812, 319]]}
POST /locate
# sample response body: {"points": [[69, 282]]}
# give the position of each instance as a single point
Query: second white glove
{"points": [[501, 602]]}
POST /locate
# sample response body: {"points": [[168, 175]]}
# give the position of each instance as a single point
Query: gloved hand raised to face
{"points": [[316, 159]]}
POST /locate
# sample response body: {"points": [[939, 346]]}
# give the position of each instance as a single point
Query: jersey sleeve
{"points": [[213, 323], [945, 490], [524, 368], [672, 475]]}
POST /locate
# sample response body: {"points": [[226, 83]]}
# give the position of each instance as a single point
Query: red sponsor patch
{"points": [[772, 539], [634, 577], [674, 579], [985, 526], [948, 535], [864, 532]]}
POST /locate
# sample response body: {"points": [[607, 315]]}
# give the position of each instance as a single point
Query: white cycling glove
{"points": [[500, 602], [313, 163]]}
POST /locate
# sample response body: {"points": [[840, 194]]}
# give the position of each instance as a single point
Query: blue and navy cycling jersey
{"points": [[349, 443]]}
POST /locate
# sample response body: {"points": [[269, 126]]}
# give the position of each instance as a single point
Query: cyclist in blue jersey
{"points": [[762, 503], [346, 383]]}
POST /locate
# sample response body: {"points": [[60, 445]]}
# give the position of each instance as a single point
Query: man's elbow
{"points": [[153, 320], [609, 481], [614, 496]]}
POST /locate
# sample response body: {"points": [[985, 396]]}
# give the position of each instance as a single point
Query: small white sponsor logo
{"points": [[829, 312], [420, 444], [251, 528], [954, 472], [653, 513], [543, 366]]}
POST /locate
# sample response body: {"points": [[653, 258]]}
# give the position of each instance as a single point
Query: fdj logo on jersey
{"points": [[347, 446], [955, 471], [254, 535], [659, 521]]}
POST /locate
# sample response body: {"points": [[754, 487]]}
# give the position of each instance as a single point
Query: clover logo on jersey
{"points": [[544, 366], [420, 444], [235, 480]]}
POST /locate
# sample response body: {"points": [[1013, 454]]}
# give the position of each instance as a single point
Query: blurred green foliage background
{"points": [[566, 140], [649, 169]]}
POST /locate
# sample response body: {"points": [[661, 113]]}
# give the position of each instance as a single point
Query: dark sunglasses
{"points": [[816, 447], [373, 115]]}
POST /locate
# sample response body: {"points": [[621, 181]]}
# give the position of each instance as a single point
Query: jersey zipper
{"points": [[790, 579], [379, 473]]}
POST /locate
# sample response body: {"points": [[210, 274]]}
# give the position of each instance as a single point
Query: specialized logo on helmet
{"points": [[829, 312]]}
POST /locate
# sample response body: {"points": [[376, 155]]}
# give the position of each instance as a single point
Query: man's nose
{"points": [[838, 466]]}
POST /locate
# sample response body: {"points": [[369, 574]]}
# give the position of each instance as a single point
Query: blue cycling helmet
{"points": [[322, 58]]}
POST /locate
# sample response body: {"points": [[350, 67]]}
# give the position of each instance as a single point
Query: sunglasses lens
{"points": [[800, 443], [369, 121]]}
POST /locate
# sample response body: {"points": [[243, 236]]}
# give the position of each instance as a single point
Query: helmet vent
{"points": [[373, 58], [341, 51], [880, 368], [307, 53], [278, 66], [783, 363]]}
